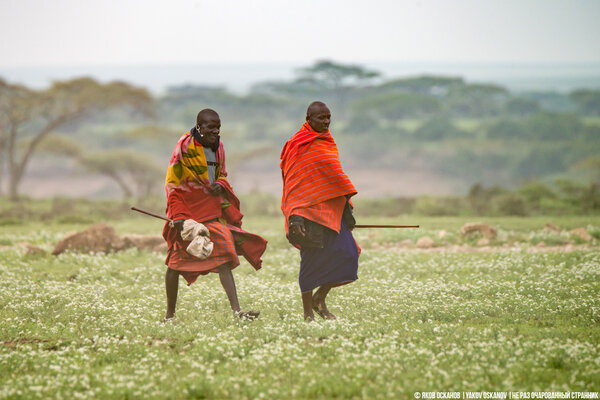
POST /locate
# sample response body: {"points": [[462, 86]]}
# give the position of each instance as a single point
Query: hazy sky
{"points": [[87, 32]]}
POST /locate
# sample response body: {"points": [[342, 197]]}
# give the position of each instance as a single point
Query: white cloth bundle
{"points": [[200, 245]]}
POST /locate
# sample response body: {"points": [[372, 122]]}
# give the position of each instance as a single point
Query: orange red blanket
{"points": [[312, 173]]}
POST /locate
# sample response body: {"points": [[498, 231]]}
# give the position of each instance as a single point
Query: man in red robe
{"points": [[197, 189], [318, 212]]}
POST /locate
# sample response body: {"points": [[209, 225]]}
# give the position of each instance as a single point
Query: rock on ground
{"points": [[406, 243], [583, 234], [98, 238], [483, 242], [143, 242], [552, 228], [101, 238], [31, 249], [486, 230], [425, 243]]}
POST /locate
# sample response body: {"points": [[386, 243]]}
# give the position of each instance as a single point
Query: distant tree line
{"points": [[355, 90], [479, 132]]}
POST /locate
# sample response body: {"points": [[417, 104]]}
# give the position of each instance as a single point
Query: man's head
{"points": [[318, 116], [208, 125]]}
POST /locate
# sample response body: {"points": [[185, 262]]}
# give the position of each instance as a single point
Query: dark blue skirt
{"points": [[336, 263]]}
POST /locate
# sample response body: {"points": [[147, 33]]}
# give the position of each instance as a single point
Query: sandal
{"points": [[247, 315]]}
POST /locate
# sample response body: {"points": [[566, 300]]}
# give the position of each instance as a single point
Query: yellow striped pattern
{"points": [[188, 164]]}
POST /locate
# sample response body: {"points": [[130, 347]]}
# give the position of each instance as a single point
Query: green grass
{"points": [[83, 326], [469, 124], [592, 121]]}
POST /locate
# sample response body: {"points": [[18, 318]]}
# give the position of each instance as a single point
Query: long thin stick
{"points": [[151, 214], [357, 226], [386, 226]]}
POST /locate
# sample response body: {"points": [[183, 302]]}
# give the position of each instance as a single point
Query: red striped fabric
{"points": [[327, 213], [190, 199], [313, 177]]}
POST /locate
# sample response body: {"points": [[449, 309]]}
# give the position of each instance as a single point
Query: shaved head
{"points": [[318, 116], [205, 114], [314, 107], [208, 124]]}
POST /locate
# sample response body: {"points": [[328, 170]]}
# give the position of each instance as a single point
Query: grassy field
{"points": [[83, 326]]}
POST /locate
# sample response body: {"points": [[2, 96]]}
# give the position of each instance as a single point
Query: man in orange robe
{"points": [[197, 189], [316, 205]]}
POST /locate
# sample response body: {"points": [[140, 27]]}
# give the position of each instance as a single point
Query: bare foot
{"points": [[324, 313], [320, 308]]}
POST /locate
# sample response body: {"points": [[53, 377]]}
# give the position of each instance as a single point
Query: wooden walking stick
{"points": [[386, 226], [151, 214], [356, 226]]}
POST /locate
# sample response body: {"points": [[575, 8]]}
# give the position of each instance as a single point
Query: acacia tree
{"points": [[13, 113], [136, 175], [335, 77], [31, 116]]}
